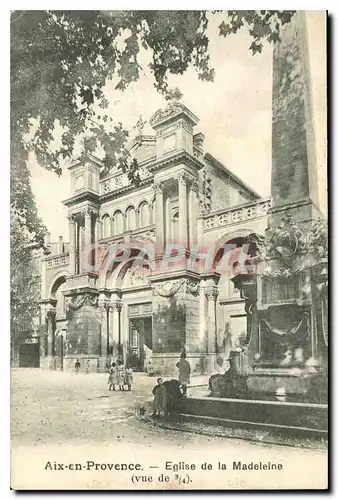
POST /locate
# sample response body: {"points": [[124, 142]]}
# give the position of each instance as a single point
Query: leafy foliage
{"points": [[60, 63]]}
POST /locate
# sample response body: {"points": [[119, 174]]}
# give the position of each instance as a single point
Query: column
{"points": [[168, 220], [87, 251], [115, 340], [43, 336], [182, 202], [97, 243], [159, 219], [104, 309], [137, 218], [78, 262], [193, 209], [211, 294], [72, 244], [50, 332]]}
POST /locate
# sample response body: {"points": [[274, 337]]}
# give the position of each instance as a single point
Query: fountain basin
{"points": [[286, 415]]}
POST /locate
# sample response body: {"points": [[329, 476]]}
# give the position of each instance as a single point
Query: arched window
{"points": [[175, 229], [153, 212], [56, 293], [130, 219], [144, 214], [106, 226], [118, 222]]}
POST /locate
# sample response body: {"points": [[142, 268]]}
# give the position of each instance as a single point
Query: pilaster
{"points": [[182, 180], [159, 216]]}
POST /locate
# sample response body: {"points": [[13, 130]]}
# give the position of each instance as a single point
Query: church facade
{"points": [[147, 272]]}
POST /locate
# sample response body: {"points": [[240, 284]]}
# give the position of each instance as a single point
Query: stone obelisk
{"points": [[294, 179]]}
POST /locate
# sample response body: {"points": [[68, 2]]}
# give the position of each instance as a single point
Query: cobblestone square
{"points": [[57, 415]]}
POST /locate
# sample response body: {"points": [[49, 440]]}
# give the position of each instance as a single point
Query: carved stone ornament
{"points": [[115, 306], [194, 186], [90, 211], [158, 187], [318, 239], [283, 273], [286, 241], [259, 246], [149, 235], [140, 124], [211, 293], [305, 319], [192, 287], [168, 289], [172, 109], [73, 217], [76, 302], [184, 178]]}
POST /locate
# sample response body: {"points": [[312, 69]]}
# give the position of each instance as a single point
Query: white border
{"points": [[331, 6]]}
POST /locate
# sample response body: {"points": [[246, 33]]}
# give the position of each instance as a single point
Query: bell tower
{"points": [[81, 294], [174, 129]]}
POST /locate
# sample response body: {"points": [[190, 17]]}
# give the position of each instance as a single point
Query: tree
{"points": [[61, 60], [60, 63]]}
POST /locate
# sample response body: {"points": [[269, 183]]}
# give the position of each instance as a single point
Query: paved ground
{"points": [[51, 407], [57, 414]]}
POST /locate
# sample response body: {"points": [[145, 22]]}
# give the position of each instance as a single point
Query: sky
{"points": [[235, 116]]}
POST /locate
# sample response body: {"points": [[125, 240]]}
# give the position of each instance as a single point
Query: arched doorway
{"points": [[134, 280], [232, 257], [131, 324], [59, 321]]}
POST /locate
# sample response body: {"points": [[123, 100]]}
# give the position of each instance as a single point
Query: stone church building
{"points": [[147, 271]]}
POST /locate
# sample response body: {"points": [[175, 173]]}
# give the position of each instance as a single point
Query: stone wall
{"points": [[176, 325], [83, 336]]}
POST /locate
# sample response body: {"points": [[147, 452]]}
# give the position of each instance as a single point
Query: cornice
{"points": [[176, 158], [125, 189], [84, 195]]}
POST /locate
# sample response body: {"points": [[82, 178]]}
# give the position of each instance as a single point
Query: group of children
{"points": [[120, 375]]}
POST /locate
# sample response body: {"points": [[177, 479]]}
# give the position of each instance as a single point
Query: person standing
{"points": [[160, 399], [129, 377], [112, 380], [184, 373], [77, 366], [120, 375], [87, 366], [150, 369]]}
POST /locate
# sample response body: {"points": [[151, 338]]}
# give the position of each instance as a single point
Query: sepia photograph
{"points": [[168, 250]]}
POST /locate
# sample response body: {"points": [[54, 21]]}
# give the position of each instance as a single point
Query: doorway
{"points": [[29, 354], [140, 342]]}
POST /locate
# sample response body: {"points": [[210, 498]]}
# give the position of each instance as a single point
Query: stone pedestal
{"points": [[84, 327], [175, 321]]}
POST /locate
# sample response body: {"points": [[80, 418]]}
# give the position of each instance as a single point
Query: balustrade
{"points": [[236, 215], [57, 261]]}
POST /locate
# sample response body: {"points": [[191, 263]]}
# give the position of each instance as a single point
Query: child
{"points": [[129, 377], [87, 366], [112, 380], [77, 366], [160, 399], [120, 375], [150, 369]]}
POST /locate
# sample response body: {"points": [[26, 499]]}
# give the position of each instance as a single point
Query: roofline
{"points": [[216, 163], [90, 157]]}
